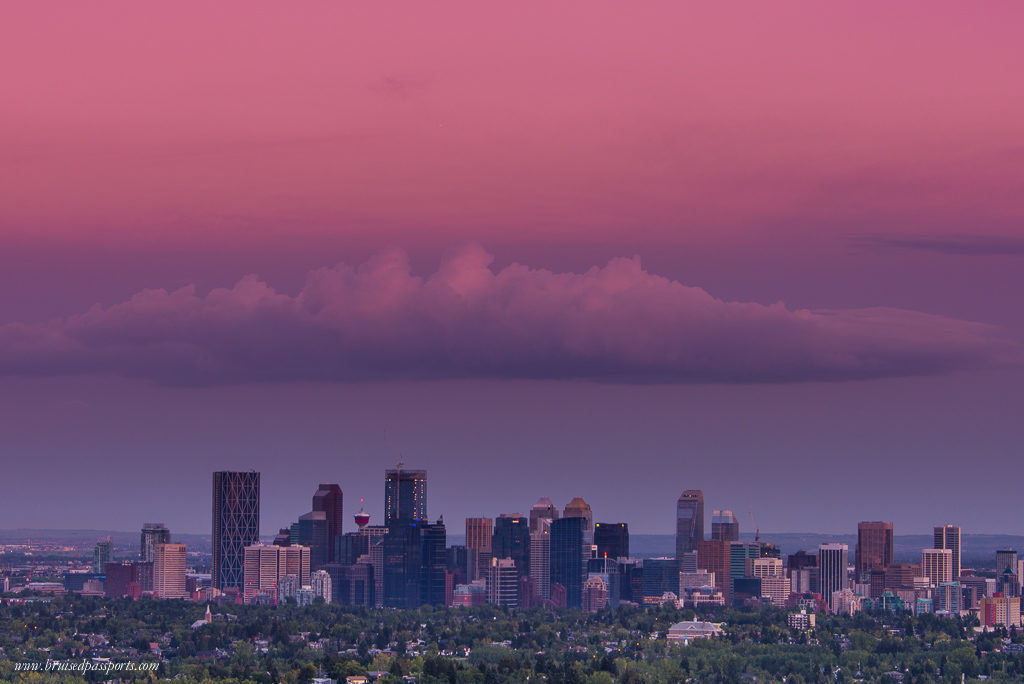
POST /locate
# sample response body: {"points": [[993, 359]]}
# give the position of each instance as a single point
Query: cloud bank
{"points": [[378, 321]]}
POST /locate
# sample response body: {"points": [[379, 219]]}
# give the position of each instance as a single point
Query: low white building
{"points": [[688, 632]]}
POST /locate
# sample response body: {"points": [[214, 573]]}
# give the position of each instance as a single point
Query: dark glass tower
{"points": [[724, 526], [313, 528], [567, 566], [612, 540], [405, 495], [689, 521], [434, 559], [328, 498], [236, 524], [402, 565], [152, 534], [512, 540]]}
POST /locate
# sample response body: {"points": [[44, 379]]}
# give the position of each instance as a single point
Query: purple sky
{"points": [[564, 251]]}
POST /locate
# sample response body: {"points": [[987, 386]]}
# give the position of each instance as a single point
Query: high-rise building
{"points": [[267, 566], [768, 567], [512, 540], [832, 568], [329, 498], [948, 537], [540, 558], [402, 565], [715, 555], [612, 540], [937, 565], [151, 535], [689, 521], [236, 524], [741, 559], [479, 541], [595, 594], [724, 526], [874, 547], [567, 565], [314, 532], [503, 583], [1006, 559], [169, 571], [434, 563], [578, 508], [119, 577], [320, 583], [351, 585], [542, 509], [102, 554], [405, 495]]}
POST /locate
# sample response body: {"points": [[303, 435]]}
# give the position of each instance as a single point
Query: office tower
{"points": [[874, 547], [660, 575], [612, 540], [267, 567], [328, 498], [949, 597], [434, 563], [578, 508], [320, 583], [351, 585], [767, 567], [1006, 559], [832, 565], [741, 559], [948, 537], [567, 567], [715, 555], [405, 495], [937, 565], [118, 577], [236, 524], [689, 521], [314, 532], [283, 537], [595, 594], [511, 539], [102, 554], [542, 509], [688, 561], [169, 571], [479, 540], [999, 610], [724, 526], [350, 546], [151, 535], [540, 558], [503, 583]]}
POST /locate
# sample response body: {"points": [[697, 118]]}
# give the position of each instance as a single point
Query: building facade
{"points": [[236, 524]]}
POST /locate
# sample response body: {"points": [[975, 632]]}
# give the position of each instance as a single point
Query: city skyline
{"points": [[772, 253]]}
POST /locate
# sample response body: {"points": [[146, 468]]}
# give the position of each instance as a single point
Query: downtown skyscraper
{"points": [[405, 495], [948, 537], [236, 524], [329, 499], [689, 521]]}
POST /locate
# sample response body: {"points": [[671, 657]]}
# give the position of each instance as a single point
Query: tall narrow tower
{"points": [[328, 498], [236, 524], [689, 521], [405, 495], [948, 537]]}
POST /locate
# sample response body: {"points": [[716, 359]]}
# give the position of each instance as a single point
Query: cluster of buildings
{"points": [[549, 556]]}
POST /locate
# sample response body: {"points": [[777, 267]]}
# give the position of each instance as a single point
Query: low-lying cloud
{"points": [[379, 321]]}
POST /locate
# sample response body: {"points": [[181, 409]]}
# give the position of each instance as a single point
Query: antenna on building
{"points": [[753, 523]]}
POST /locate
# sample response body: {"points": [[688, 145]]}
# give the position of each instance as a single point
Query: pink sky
{"points": [[197, 125], [815, 191]]}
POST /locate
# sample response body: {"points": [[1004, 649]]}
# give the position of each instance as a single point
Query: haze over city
{"points": [[600, 254]]}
